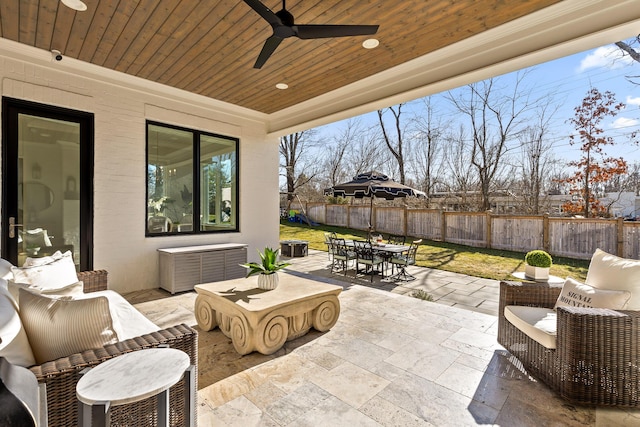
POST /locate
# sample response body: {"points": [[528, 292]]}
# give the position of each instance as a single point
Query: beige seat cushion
{"points": [[59, 327], [608, 271], [539, 324]]}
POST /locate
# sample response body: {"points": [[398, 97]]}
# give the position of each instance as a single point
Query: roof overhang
{"points": [[569, 27], [565, 28]]}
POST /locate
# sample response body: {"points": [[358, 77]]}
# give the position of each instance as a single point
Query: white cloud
{"points": [[610, 57], [623, 122], [633, 101]]}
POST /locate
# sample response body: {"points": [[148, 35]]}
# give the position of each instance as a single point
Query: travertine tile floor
{"points": [[391, 360]]}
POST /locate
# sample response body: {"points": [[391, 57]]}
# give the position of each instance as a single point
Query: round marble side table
{"points": [[132, 377]]}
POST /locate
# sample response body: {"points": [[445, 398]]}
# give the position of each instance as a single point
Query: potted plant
{"points": [[266, 269], [537, 265]]}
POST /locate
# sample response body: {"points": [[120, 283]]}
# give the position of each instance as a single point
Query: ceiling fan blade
{"points": [[326, 31], [270, 45], [266, 13]]}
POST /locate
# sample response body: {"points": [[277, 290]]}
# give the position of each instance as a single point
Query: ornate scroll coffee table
{"points": [[261, 320]]}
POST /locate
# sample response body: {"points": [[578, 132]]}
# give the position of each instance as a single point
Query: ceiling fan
{"points": [[283, 26]]}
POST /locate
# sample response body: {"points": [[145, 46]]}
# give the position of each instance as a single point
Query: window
{"points": [[191, 181]]}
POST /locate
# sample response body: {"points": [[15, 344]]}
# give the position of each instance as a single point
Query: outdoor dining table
{"points": [[383, 247], [386, 250]]}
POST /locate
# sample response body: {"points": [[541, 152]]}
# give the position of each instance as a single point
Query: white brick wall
{"points": [[120, 112]]}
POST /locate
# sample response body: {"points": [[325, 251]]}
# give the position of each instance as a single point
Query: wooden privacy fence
{"points": [[568, 237]]}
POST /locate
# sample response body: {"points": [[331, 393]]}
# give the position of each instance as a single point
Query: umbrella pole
{"points": [[370, 219]]}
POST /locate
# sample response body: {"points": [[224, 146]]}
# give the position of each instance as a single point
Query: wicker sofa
{"points": [[62, 375], [596, 360]]}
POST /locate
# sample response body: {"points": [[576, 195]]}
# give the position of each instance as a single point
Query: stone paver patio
{"points": [[391, 360]]}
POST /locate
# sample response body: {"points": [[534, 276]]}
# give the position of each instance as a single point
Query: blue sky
{"points": [[569, 79]]}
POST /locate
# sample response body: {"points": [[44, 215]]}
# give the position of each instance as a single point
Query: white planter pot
{"points": [[268, 281], [536, 273]]}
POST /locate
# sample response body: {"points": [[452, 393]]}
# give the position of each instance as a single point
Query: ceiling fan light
{"points": [[75, 5], [282, 86], [370, 43]]}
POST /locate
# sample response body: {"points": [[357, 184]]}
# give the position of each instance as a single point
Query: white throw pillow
{"points": [[57, 274], [14, 345], [576, 294], [5, 269], [59, 327], [75, 290], [608, 271], [32, 262]]}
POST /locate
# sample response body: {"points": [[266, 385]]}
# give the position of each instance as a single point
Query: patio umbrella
{"points": [[373, 184]]}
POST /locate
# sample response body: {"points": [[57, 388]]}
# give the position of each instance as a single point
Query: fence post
{"points": [[487, 237], [443, 231], [620, 230], [325, 212], [545, 232], [348, 216], [404, 223]]}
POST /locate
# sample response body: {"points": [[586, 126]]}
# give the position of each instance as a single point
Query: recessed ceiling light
{"points": [[282, 86], [370, 43], [75, 5]]}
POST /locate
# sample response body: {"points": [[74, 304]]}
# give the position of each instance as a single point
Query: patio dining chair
{"points": [[403, 260], [369, 258], [392, 240], [327, 241], [396, 240], [342, 254]]}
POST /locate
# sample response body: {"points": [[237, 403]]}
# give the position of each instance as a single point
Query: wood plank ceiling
{"points": [[209, 47]]}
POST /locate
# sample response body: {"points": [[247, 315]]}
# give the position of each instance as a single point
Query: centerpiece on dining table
{"points": [[377, 240]]}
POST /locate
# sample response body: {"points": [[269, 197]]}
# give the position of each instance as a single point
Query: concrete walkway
{"points": [[390, 360]]}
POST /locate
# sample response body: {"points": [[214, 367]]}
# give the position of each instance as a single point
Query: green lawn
{"points": [[479, 262]]}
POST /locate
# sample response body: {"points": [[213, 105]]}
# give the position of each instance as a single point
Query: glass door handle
{"points": [[12, 227]]}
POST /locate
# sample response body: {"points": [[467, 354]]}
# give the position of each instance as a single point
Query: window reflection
{"points": [[218, 172], [171, 199]]}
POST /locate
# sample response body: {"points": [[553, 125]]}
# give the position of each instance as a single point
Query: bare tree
{"points": [[459, 182], [293, 151], [535, 158], [336, 153], [494, 117], [631, 180], [557, 174], [366, 154], [427, 151], [634, 54], [395, 143], [630, 49]]}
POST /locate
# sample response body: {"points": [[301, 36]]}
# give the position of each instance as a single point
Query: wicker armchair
{"points": [[597, 355], [62, 375]]}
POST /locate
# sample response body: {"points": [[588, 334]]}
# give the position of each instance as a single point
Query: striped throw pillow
{"points": [[60, 326]]}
